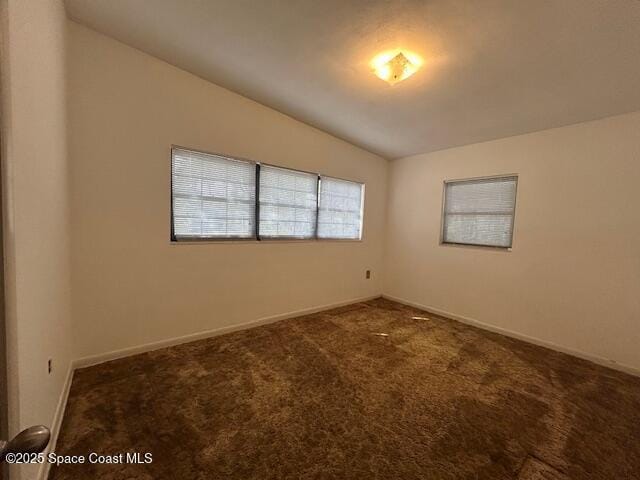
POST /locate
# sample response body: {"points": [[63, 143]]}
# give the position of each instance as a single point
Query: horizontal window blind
{"points": [[480, 211], [212, 196], [340, 214], [288, 203]]}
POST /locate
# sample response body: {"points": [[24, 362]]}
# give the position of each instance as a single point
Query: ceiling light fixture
{"points": [[395, 66]]}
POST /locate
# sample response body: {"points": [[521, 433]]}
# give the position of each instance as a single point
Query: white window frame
{"points": [[276, 238], [471, 179], [363, 189], [189, 239]]}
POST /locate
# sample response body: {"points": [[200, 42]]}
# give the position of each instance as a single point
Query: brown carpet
{"points": [[325, 397]]}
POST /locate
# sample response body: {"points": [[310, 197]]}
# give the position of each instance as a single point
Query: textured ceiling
{"points": [[493, 68]]}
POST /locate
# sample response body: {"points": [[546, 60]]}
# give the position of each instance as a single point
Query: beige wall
{"points": [[36, 211], [131, 286], [573, 277]]}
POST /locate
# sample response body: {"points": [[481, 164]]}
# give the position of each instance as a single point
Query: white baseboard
{"points": [[526, 338], [43, 472], [126, 352]]}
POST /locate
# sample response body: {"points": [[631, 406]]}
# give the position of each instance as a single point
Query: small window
{"points": [[288, 203], [479, 211], [341, 204], [212, 196]]}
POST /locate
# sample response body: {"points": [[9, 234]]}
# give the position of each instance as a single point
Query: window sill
{"points": [[251, 241], [481, 247]]}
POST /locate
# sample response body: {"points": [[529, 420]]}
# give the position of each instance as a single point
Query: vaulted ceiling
{"points": [[493, 68]]}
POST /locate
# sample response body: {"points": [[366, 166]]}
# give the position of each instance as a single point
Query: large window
{"points": [[288, 203], [219, 197], [340, 209], [213, 196], [480, 211]]}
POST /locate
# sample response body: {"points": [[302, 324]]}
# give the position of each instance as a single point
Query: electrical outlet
{"points": [[49, 365], [367, 274]]}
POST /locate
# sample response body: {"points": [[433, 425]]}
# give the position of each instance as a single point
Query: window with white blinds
{"points": [[288, 203], [480, 211], [218, 197], [212, 196], [340, 214]]}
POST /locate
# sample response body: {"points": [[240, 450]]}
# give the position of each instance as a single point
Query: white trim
{"points": [[113, 355], [43, 471], [125, 352], [606, 362]]}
